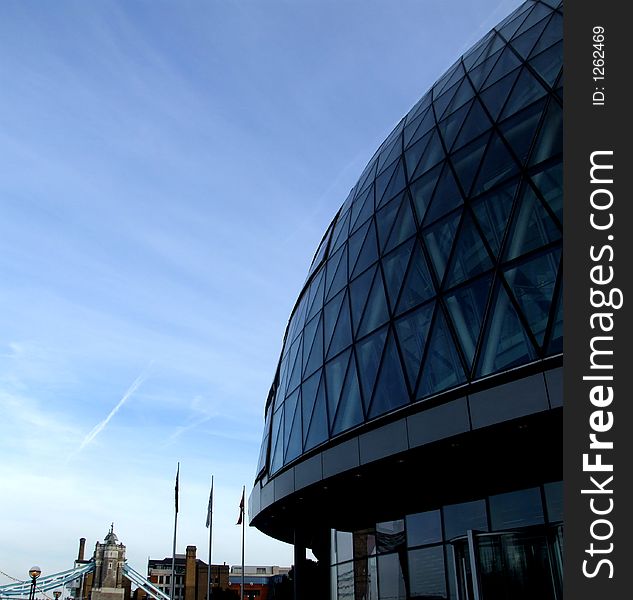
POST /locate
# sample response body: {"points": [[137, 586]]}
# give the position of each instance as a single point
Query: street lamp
{"points": [[34, 573]]}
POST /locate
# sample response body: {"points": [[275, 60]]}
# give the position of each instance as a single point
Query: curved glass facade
{"points": [[443, 266]]}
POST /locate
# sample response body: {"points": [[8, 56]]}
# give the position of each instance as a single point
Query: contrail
{"points": [[97, 429]]}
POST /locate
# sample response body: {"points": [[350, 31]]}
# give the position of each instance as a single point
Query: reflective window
{"points": [[390, 576], [459, 518], [424, 528], [554, 501], [516, 509], [426, 568]]}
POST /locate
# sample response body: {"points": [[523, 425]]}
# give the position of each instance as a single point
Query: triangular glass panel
{"points": [[330, 317], [403, 228], [317, 430], [277, 441], [412, 331], [450, 126], [418, 286], [359, 290], [466, 161], [464, 93], [506, 63], [298, 318], [420, 106], [283, 381], [369, 352], [496, 95], [548, 64], [342, 336], [315, 295], [466, 307], [419, 127], [551, 35], [383, 180], [308, 339], [549, 182], [388, 155], [422, 191], [362, 208], [390, 391], [473, 55], [495, 44], [475, 124], [385, 218], [497, 165], [550, 139], [521, 10], [532, 226], [454, 73], [366, 177], [350, 409], [295, 375], [508, 29], [340, 233], [445, 198], [442, 366], [396, 185], [441, 102], [368, 253], [376, 312], [439, 240], [470, 256], [335, 376], [332, 268], [524, 42], [315, 358], [536, 16], [413, 154], [338, 280], [294, 356], [519, 130], [526, 90], [532, 283], [480, 73], [292, 428], [506, 342], [492, 212], [433, 154], [394, 266], [555, 345], [308, 397], [355, 244]]}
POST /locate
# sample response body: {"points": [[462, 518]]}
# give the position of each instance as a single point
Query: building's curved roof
{"points": [[443, 266]]}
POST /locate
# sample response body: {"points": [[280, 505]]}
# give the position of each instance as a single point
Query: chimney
{"points": [[82, 547]]}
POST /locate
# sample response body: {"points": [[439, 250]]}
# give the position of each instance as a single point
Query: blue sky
{"points": [[167, 170]]}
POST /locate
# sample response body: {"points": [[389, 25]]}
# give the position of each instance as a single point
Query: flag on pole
{"points": [[210, 509], [176, 492], [239, 521]]}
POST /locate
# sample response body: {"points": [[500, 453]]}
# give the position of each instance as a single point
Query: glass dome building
{"points": [[413, 429]]}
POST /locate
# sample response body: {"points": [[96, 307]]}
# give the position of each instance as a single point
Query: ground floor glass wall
{"points": [[503, 547]]}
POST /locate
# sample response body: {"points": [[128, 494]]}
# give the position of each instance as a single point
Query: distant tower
{"points": [[108, 576]]}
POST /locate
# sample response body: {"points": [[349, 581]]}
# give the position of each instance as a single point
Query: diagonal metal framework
{"points": [[47, 582], [142, 582]]}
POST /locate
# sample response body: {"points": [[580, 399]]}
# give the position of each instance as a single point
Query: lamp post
{"points": [[34, 573]]}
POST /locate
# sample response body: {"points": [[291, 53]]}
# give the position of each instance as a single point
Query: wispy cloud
{"points": [[99, 427]]}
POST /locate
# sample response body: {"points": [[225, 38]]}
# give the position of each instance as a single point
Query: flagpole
{"points": [[243, 524], [210, 526], [173, 552]]}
